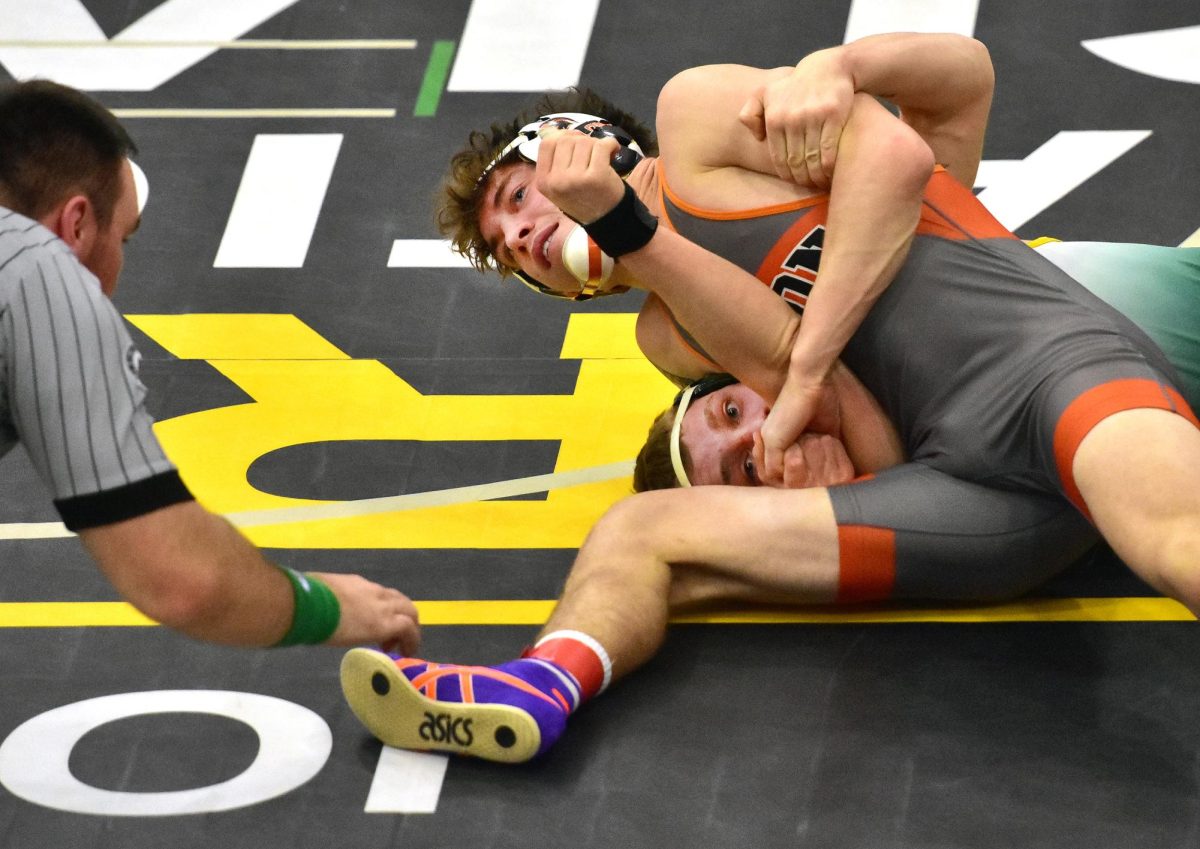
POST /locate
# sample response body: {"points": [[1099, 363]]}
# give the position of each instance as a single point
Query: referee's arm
{"points": [[192, 571], [70, 369]]}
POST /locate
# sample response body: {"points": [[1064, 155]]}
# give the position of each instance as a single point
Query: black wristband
{"points": [[625, 228]]}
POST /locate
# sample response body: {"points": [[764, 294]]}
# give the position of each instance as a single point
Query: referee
{"points": [[69, 391]]}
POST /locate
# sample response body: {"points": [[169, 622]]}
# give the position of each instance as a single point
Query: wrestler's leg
{"points": [[909, 532], [611, 618], [675, 549], [670, 551], [1138, 472], [951, 540]]}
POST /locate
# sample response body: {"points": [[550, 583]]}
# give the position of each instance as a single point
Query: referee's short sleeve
{"points": [[73, 395]]}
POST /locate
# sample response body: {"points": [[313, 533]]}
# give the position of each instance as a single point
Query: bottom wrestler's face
{"points": [[523, 229], [718, 432]]}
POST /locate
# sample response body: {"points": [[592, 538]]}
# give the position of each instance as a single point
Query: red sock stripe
{"points": [[867, 563], [575, 657], [1097, 404]]}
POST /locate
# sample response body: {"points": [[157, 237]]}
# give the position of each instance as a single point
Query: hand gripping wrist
{"points": [[625, 228], [317, 611]]}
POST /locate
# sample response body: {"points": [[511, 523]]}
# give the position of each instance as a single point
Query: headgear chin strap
{"points": [[580, 254]]}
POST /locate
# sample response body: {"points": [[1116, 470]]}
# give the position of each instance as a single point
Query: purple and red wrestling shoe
{"points": [[508, 713]]}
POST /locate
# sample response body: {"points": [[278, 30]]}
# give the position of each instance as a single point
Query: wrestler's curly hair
{"points": [[653, 469], [460, 195]]}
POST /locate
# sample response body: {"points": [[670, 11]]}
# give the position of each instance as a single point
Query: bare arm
{"points": [[192, 571], [740, 323], [942, 83], [873, 213]]}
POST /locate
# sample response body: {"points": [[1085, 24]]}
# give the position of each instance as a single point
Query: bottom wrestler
{"points": [[992, 549], [666, 553]]}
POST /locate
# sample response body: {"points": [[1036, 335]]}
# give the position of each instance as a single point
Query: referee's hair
{"points": [[56, 142]]}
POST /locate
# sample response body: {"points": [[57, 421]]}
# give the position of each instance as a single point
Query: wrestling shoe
{"points": [[507, 713]]}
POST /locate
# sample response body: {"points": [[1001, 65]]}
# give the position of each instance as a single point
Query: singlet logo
{"points": [[443, 728], [795, 281]]}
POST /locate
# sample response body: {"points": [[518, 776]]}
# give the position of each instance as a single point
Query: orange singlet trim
{"points": [[867, 561], [735, 215], [1097, 404], [945, 212], [663, 213], [694, 346]]}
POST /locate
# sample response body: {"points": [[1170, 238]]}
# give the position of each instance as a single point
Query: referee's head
{"points": [[56, 142], [64, 162]]}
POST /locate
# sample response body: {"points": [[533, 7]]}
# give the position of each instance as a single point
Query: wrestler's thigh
{"points": [[1139, 474], [938, 537], [726, 544]]}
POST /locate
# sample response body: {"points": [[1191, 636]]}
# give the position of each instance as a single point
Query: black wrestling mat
{"points": [[307, 341]]}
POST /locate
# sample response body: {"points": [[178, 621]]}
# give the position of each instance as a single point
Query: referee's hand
{"points": [[372, 613]]}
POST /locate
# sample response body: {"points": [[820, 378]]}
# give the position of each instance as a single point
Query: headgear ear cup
{"points": [[628, 154], [624, 160], [587, 263], [581, 256]]}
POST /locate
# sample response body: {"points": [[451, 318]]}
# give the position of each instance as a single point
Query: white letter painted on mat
{"points": [[294, 744], [42, 40]]}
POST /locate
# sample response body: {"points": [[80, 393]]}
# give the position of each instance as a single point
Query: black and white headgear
{"points": [[581, 255]]}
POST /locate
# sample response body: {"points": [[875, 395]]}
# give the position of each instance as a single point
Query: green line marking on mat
{"points": [[434, 83]]}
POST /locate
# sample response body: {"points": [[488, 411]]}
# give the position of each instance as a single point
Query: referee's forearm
{"points": [[192, 571]]}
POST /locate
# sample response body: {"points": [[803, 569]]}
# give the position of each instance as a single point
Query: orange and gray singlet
{"points": [[69, 390], [992, 362]]}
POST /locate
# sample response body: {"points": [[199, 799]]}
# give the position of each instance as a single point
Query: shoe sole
{"points": [[400, 716]]}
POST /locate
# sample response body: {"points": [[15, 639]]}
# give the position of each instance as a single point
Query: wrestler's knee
{"points": [[1176, 551], [627, 525], [622, 545], [1138, 473]]}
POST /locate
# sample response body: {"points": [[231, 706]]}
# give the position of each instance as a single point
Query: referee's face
{"points": [[108, 252]]}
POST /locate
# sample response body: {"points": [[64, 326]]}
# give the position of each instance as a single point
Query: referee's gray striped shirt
{"points": [[69, 389]]}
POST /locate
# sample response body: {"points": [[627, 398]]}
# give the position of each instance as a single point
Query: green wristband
{"points": [[317, 611]]}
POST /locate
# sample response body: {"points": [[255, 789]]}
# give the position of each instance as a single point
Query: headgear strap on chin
{"points": [[683, 400], [581, 255]]}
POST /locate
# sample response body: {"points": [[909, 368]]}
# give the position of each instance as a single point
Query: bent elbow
{"points": [[911, 156], [979, 59]]}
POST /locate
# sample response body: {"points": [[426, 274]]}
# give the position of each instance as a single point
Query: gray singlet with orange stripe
{"points": [[993, 364]]}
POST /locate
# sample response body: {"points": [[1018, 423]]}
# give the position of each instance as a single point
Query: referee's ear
{"points": [[74, 221]]}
